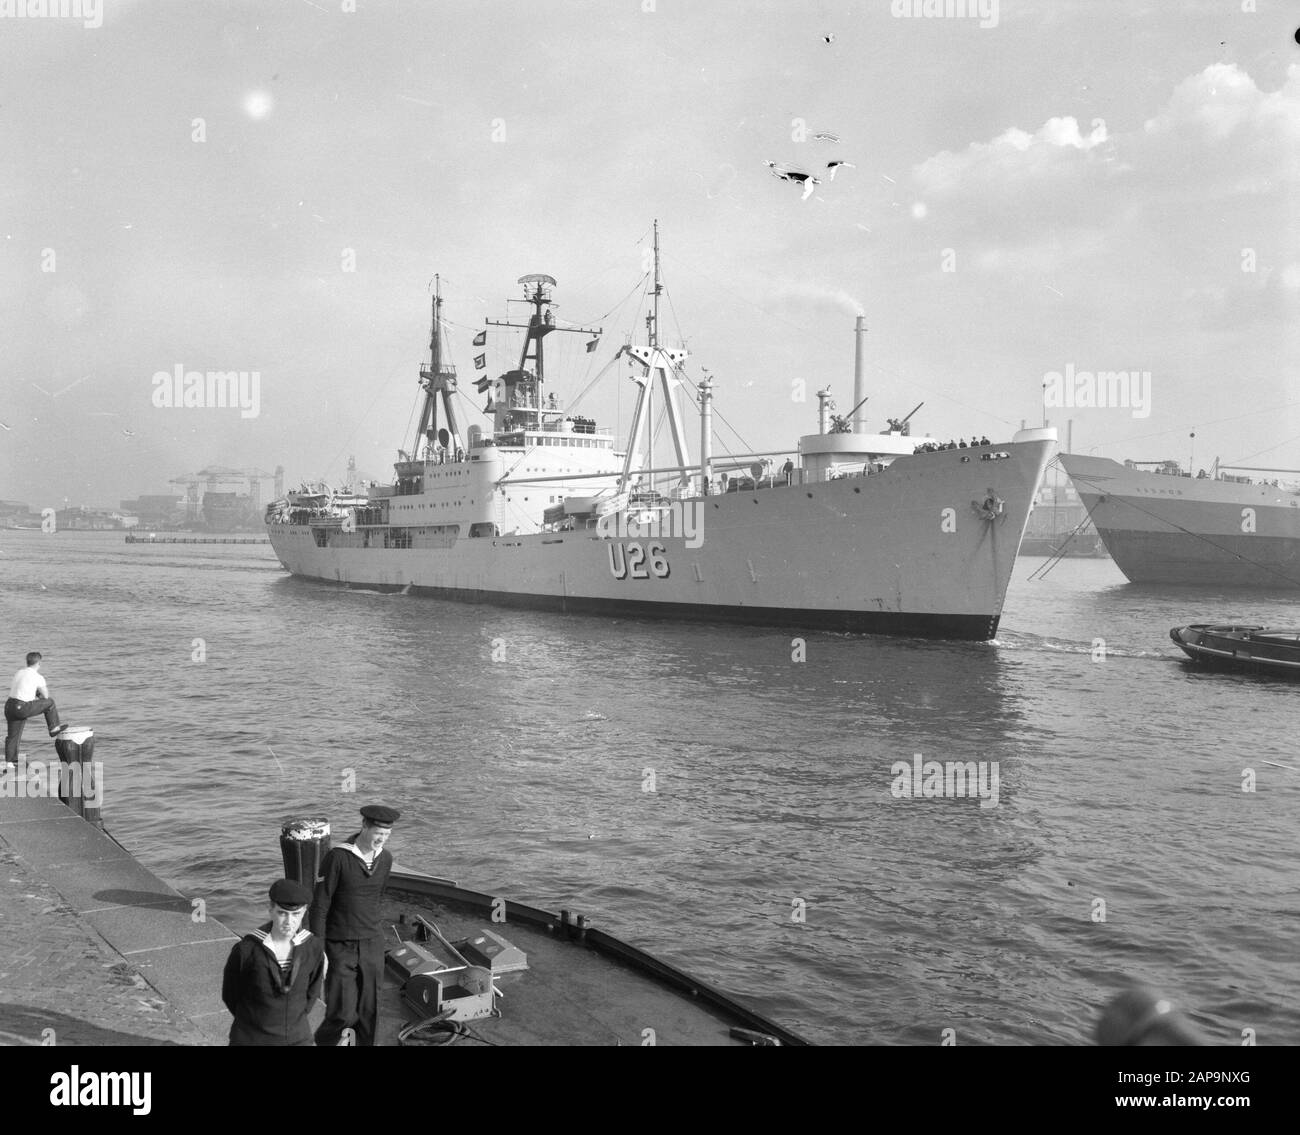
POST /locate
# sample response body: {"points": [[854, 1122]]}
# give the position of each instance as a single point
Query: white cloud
{"points": [[1221, 129], [1218, 132], [1014, 154], [1219, 101], [1216, 154]]}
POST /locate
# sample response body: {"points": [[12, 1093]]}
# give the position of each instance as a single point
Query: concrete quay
{"points": [[96, 950]]}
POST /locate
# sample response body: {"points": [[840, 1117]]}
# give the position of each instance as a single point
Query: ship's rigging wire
{"points": [[643, 285], [1259, 452], [574, 403], [673, 309], [414, 406], [900, 378], [681, 374], [745, 445], [600, 374], [393, 371], [695, 388], [740, 439], [631, 292], [811, 333], [1187, 531], [1215, 422], [644, 282], [530, 451], [1040, 572]]}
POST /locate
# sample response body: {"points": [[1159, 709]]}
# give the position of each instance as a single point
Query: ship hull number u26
{"points": [[635, 561]]}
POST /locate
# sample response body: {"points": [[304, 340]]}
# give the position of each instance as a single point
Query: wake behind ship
{"points": [[856, 531]]}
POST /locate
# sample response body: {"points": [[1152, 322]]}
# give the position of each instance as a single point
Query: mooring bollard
{"points": [[303, 843], [79, 781]]}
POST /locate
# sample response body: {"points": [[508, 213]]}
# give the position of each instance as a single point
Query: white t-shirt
{"points": [[26, 683]]}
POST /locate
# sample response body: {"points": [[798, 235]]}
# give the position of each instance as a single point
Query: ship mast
{"points": [[659, 364], [438, 378], [654, 327], [523, 401]]}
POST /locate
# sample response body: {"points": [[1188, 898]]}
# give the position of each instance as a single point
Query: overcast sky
{"points": [[1096, 184]]}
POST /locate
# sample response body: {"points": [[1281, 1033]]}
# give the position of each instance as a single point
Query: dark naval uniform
{"points": [[346, 914], [270, 1006]]}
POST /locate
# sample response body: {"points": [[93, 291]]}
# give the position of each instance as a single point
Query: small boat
{"points": [[491, 970], [1260, 649]]}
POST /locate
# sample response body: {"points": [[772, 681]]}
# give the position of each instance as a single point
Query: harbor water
{"points": [[725, 797]]}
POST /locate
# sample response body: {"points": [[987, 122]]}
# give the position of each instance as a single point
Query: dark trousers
{"points": [[352, 983], [17, 712]]}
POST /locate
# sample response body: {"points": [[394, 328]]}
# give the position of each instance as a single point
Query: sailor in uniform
{"points": [[346, 914], [273, 975]]}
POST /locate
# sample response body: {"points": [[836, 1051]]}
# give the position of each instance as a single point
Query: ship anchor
{"points": [[991, 508]]}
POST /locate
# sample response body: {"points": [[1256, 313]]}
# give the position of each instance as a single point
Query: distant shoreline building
{"points": [[160, 510], [221, 499], [17, 514], [80, 518]]}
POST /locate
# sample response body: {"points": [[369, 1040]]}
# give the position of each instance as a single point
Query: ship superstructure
{"points": [[855, 531]]}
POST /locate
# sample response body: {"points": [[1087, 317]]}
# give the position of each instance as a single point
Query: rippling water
{"points": [[519, 747]]}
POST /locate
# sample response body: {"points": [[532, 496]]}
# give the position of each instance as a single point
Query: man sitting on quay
{"points": [[28, 695]]}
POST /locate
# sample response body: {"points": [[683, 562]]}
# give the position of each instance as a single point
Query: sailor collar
{"points": [[368, 864], [263, 935]]}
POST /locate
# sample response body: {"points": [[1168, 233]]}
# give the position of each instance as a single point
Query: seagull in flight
{"points": [[835, 165], [795, 176]]}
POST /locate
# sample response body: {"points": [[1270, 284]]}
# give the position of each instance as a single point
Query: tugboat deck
{"points": [[601, 991]]}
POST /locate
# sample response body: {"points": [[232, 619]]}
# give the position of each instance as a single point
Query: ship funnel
{"points": [[859, 363]]}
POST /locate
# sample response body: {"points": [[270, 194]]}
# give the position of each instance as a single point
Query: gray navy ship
{"points": [[853, 531], [1162, 525]]}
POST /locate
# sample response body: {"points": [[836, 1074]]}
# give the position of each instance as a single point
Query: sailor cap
{"points": [[380, 814], [289, 895]]}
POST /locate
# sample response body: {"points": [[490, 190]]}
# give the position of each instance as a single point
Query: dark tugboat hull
{"points": [[1267, 650], [582, 986]]}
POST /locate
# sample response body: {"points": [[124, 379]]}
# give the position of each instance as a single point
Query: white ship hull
{"points": [[910, 551]]}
